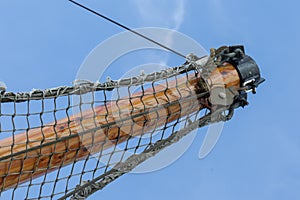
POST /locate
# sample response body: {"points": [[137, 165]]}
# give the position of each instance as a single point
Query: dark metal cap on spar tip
{"points": [[249, 72], [246, 67]]}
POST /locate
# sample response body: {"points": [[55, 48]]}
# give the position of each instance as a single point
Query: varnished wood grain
{"points": [[181, 93]]}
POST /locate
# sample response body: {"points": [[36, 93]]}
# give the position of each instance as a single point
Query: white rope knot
{"points": [[2, 87]]}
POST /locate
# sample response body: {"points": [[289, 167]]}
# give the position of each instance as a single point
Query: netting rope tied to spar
{"points": [[54, 147]]}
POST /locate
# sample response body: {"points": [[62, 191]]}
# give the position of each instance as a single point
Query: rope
{"points": [[88, 188], [128, 29], [81, 87]]}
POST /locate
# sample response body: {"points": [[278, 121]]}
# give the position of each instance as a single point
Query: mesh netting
{"points": [[69, 142]]}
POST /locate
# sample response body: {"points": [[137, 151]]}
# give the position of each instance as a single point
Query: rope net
{"points": [[69, 142]]}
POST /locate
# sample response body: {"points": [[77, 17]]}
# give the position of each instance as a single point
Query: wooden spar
{"points": [[171, 102]]}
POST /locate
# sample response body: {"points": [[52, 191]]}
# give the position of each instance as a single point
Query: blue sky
{"points": [[43, 43]]}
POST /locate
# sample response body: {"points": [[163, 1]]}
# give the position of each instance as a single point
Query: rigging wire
{"points": [[128, 29]]}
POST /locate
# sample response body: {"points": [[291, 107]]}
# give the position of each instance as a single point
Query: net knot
{"points": [[84, 192], [2, 87], [83, 86]]}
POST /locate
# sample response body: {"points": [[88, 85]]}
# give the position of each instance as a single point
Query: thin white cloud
{"points": [[179, 13], [164, 13]]}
